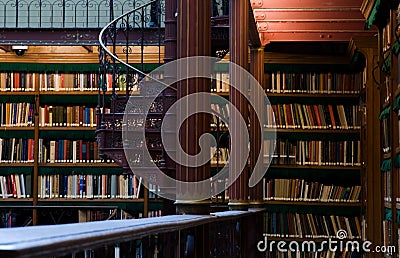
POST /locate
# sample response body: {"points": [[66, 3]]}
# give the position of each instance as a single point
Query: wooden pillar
{"points": [[394, 143], [193, 39], [238, 46], [170, 53], [257, 70], [370, 138], [170, 50]]}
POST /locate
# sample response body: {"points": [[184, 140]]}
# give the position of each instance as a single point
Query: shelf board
{"points": [[313, 95], [17, 93], [15, 202], [387, 155], [79, 164], [16, 164], [67, 128], [105, 200], [125, 204], [398, 150], [222, 94], [78, 92], [330, 167], [314, 131], [220, 165], [313, 203], [69, 92], [17, 128]]}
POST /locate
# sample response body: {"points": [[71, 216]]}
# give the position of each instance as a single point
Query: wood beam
{"points": [[266, 37], [284, 58], [311, 26], [282, 14], [305, 3], [254, 35]]}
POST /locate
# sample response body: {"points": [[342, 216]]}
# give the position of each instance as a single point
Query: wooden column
{"points": [[373, 173], [257, 70], [170, 53], [372, 194], [238, 46], [193, 39], [394, 144], [170, 50]]}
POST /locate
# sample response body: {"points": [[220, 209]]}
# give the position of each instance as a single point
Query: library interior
{"points": [[200, 128]]}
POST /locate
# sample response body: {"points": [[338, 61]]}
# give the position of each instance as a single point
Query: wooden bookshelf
{"points": [[40, 132], [285, 177]]}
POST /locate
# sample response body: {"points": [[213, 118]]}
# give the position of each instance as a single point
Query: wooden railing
{"points": [[222, 234]]}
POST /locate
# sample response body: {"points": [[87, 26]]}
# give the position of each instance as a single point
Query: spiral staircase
{"points": [[123, 42]]}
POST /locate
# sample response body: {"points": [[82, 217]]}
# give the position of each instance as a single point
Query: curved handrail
{"points": [[101, 34]]}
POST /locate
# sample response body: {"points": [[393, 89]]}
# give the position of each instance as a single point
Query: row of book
{"points": [[56, 81], [67, 116], [386, 133], [312, 116], [220, 82], [89, 186], [16, 150], [387, 236], [16, 186], [222, 183], [387, 186], [50, 151], [219, 155], [21, 81], [338, 153], [17, 114], [302, 190], [307, 225], [69, 151], [292, 82], [221, 110]]}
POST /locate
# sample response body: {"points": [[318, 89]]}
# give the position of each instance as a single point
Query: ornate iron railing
{"points": [[69, 13], [119, 76]]}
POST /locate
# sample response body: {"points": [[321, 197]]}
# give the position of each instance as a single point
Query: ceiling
{"points": [[310, 22]]}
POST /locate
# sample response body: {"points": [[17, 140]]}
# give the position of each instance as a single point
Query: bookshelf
{"points": [[316, 174], [220, 152], [386, 19], [49, 157]]}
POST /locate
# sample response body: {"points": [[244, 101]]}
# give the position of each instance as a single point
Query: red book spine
{"points": [[332, 116], [13, 185]]}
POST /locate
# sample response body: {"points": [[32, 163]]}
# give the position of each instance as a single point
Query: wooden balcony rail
{"points": [[221, 234]]}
